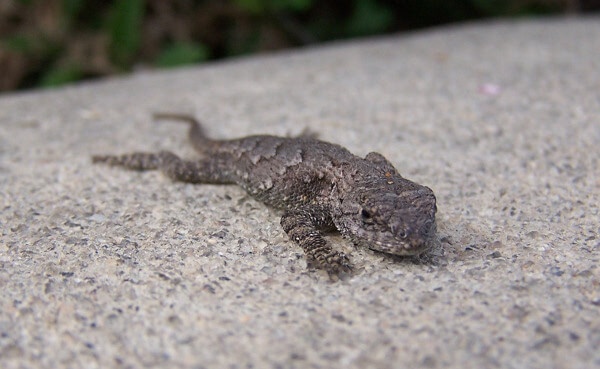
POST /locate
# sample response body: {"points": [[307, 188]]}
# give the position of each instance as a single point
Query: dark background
{"points": [[45, 43]]}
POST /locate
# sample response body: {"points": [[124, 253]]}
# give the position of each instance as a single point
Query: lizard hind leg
{"points": [[199, 171]]}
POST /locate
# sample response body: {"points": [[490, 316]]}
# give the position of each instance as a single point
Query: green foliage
{"points": [[243, 45], [125, 30], [51, 42], [34, 46], [72, 8], [264, 6], [368, 17], [19, 43], [57, 76], [182, 53]]}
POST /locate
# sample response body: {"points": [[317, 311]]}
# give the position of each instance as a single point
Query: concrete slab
{"points": [[107, 268]]}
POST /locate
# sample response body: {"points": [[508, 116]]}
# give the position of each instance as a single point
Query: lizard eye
{"points": [[365, 214]]}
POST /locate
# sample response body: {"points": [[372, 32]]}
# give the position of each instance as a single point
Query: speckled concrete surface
{"points": [[107, 268]]}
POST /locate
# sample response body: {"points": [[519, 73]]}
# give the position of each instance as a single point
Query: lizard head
{"points": [[397, 220]]}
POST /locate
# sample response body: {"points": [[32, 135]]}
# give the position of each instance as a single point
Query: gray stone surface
{"points": [[106, 268]]}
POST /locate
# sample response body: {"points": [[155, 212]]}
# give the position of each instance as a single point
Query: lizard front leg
{"points": [[304, 227], [210, 170]]}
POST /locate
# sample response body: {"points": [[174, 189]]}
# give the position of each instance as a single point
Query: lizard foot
{"points": [[335, 263]]}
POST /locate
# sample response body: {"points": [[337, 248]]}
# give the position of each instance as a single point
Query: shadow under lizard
{"points": [[320, 186]]}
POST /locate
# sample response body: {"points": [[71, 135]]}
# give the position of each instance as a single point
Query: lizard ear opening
{"points": [[366, 216]]}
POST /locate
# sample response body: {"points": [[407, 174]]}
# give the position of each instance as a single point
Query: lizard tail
{"points": [[196, 134]]}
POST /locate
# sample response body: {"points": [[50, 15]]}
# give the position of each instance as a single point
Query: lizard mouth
{"points": [[411, 245], [402, 248]]}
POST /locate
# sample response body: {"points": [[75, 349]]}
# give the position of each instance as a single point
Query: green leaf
{"points": [[182, 53], [253, 6], [71, 8], [34, 46], [61, 75], [369, 17], [19, 43], [125, 30]]}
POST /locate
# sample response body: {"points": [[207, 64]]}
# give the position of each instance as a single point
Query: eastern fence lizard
{"points": [[320, 186]]}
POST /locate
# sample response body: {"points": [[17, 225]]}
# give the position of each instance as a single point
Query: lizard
{"points": [[320, 187]]}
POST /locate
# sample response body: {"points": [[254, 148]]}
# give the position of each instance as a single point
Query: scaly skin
{"points": [[319, 185]]}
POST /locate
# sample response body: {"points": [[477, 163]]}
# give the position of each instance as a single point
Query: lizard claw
{"points": [[335, 263]]}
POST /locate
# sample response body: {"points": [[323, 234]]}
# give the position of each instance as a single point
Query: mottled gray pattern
{"points": [[321, 186]]}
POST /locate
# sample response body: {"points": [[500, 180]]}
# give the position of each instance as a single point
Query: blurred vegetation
{"points": [[52, 42]]}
